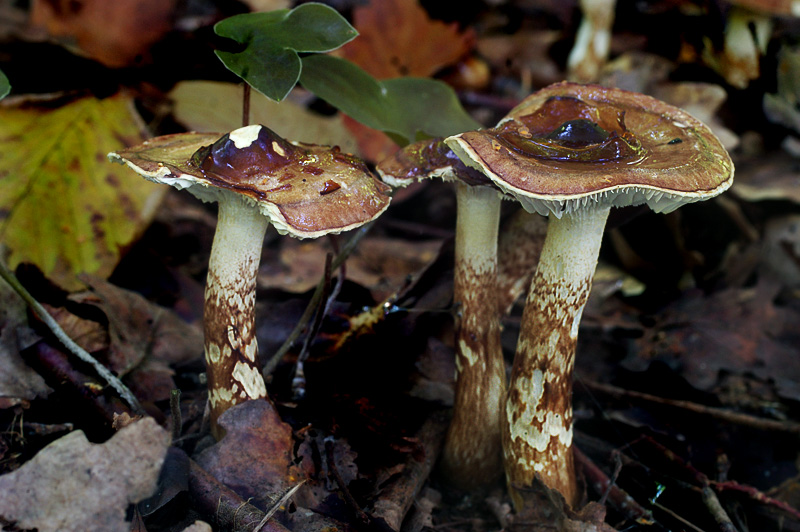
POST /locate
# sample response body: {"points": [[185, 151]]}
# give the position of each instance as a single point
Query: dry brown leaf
{"points": [[378, 264], [397, 38], [114, 33], [18, 382], [74, 485], [255, 456]]}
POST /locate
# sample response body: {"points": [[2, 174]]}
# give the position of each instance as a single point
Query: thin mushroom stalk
{"points": [[231, 349], [471, 449], [471, 455], [538, 412], [572, 152]]}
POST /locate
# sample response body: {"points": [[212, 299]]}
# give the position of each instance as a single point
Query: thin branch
{"points": [[718, 413], [316, 298]]}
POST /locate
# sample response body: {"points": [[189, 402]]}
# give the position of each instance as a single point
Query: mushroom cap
{"points": [[305, 190], [570, 145], [427, 159]]}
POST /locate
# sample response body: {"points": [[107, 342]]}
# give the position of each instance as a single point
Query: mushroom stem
{"points": [[231, 349], [537, 439], [593, 40], [471, 455]]}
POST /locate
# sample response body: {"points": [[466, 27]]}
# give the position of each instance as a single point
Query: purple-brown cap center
{"points": [[569, 129]]}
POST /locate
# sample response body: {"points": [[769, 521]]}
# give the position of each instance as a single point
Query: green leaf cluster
{"points": [[269, 61], [407, 109]]}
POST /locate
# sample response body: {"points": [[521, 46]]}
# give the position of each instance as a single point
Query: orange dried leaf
{"points": [[114, 33], [397, 38]]}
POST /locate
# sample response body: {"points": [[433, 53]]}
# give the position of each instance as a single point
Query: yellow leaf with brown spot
{"points": [[63, 205]]}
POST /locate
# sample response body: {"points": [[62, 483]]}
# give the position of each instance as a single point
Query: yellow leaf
{"points": [[63, 205]]}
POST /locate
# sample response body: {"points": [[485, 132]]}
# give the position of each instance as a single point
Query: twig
{"points": [[361, 515], [278, 504], [618, 497], [396, 498], [220, 504], [718, 413], [348, 248], [299, 380], [717, 511], [676, 516], [67, 342], [756, 495], [175, 410]]}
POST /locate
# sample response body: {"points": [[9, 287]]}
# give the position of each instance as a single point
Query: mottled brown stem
{"points": [[538, 417], [231, 350], [471, 455]]}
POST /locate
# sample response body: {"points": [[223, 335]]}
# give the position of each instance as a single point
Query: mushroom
{"points": [[257, 178], [593, 40], [471, 454], [572, 152]]}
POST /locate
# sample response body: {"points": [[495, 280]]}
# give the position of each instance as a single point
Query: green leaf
{"points": [[272, 40], [63, 205], [5, 86], [407, 109]]}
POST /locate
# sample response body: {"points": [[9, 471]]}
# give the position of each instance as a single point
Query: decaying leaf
{"points": [[143, 338], [397, 38], [74, 485], [18, 382], [63, 206], [210, 106], [115, 33], [254, 458], [380, 264]]}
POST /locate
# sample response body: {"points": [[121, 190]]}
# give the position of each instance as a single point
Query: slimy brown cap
{"points": [[570, 145], [306, 190], [427, 159]]}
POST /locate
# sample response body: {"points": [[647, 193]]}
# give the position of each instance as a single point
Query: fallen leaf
{"points": [[379, 264], [18, 382], [63, 206], [114, 33], [768, 178], [210, 106], [139, 329], [398, 38], [75, 485], [254, 459], [738, 331]]}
